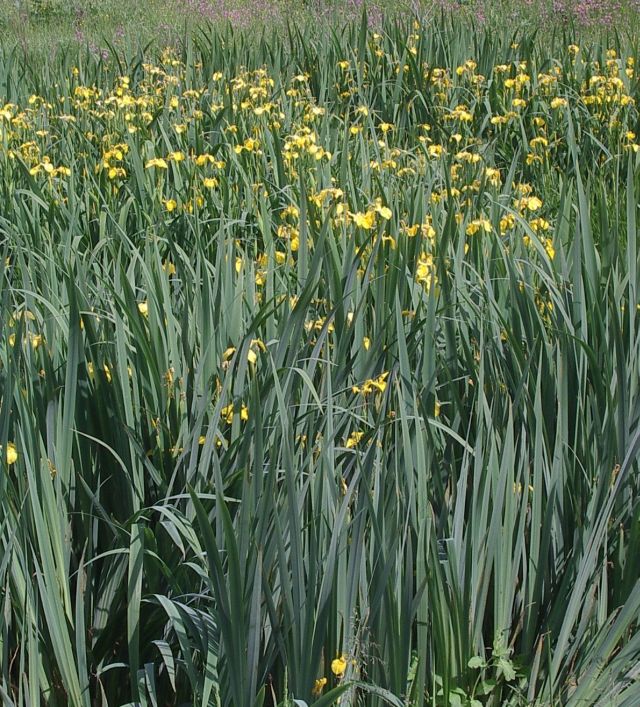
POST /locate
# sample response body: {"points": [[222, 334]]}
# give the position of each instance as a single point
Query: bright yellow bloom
{"points": [[506, 222], [493, 176], [12, 453], [478, 224], [250, 145], [339, 666], [558, 102], [366, 221], [202, 160], [372, 385], [156, 162], [532, 203], [539, 224], [425, 271], [228, 412], [354, 439], [384, 211], [143, 308]]}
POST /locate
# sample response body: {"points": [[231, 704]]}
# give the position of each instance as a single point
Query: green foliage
{"points": [[305, 419], [48, 10]]}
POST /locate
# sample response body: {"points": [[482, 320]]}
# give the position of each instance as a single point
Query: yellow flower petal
{"points": [[157, 162], [339, 666], [318, 686], [12, 453]]}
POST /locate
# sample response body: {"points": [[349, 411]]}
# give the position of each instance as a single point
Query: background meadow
{"points": [[319, 364]]}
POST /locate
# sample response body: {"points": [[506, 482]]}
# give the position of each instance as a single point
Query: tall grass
{"points": [[262, 424]]}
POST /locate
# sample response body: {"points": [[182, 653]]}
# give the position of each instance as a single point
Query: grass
{"points": [[319, 370], [43, 28]]}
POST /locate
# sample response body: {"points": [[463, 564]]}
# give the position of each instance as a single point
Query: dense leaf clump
{"points": [[319, 371]]}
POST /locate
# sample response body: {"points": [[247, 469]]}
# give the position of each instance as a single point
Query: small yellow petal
{"points": [[318, 686], [12, 453]]}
